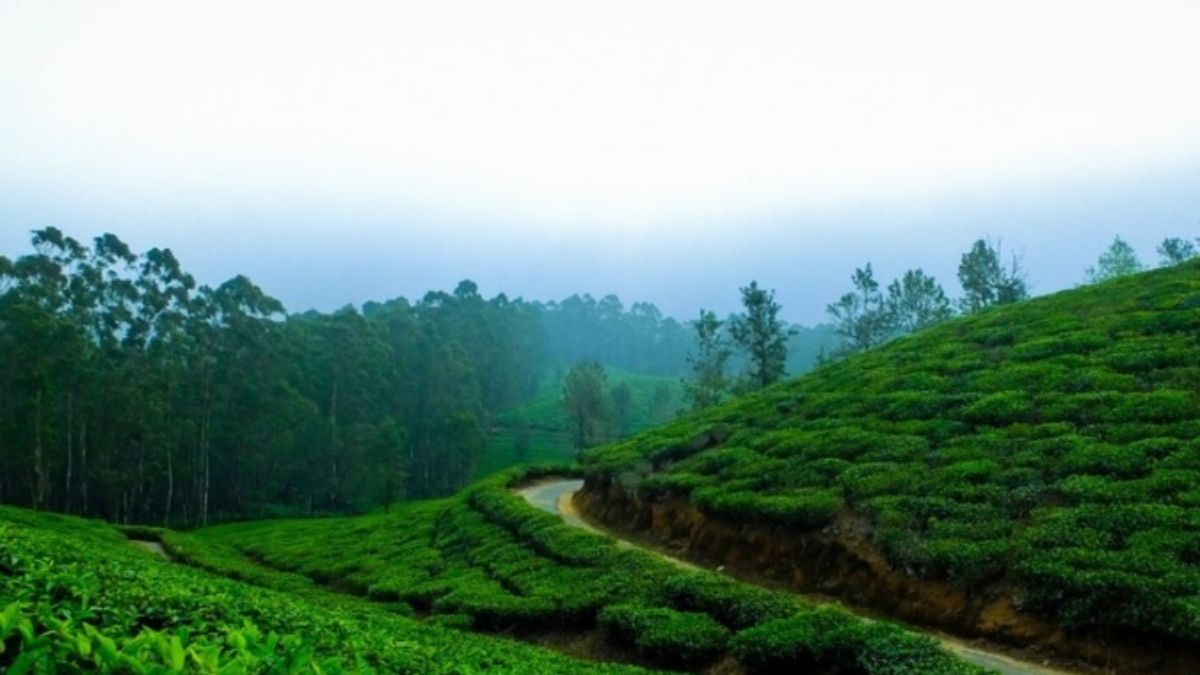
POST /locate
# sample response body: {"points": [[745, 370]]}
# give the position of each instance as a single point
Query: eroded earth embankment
{"points": [[840, 561]]}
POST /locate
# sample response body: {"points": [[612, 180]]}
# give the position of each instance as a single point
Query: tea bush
{"points": [[665, 635]]}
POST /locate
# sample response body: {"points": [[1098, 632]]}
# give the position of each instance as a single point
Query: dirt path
{"points": [[151, 546], [556, 496]]}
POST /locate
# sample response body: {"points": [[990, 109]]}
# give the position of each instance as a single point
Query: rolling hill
{"points": [[1030, 473]]}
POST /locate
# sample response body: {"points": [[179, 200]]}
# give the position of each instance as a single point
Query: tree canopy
{"points": [[762, 335], [1118, 260], [129, 391]]}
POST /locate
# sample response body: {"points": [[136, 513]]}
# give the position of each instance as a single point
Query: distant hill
{"points": [[1030, 472]]}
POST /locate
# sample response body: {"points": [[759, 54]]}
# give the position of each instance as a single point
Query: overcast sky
{"points": [[667, 151]]}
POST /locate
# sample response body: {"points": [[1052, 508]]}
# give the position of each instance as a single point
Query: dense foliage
{"points": [[486, 559], [76, 597], [539, 430], [129, 391], [1049, 447]]}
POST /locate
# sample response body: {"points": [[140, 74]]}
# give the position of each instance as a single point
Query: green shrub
{"points": [[734, 604], [870, 479], [804, 509], [827, 639], [1006, 407], [665, 635], [661, 484]]}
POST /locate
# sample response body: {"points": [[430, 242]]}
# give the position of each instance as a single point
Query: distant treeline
{"points": [[129, 391], [641, 339]]}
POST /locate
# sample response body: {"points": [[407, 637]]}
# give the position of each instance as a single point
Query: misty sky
{"points": [[664, 151]]}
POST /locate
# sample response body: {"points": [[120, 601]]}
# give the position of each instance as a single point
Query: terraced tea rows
{"points": [[75, 597], [487, 560]]}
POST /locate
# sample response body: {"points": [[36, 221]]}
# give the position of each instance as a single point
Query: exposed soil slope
{"points": [[564, 497]]}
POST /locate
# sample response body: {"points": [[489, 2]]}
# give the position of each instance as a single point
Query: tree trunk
{"points": [[207, 483], [333, 442], [170, 487], [70, 450], [170, 458], [39, 470], [139, 500], [205, 420], [83, 474]]}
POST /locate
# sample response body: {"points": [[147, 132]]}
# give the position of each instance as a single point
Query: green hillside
{"points": [[1048, 451]]}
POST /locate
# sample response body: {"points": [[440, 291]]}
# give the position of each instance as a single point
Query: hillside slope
{"points": [[1031, 473]]}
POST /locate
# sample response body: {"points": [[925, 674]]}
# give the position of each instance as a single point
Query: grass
{"points": [[1049, 448]]}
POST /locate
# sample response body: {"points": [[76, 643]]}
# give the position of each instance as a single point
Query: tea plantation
{"points": [[76, 597], [395, 593], [488, 561], [1050, 449]]}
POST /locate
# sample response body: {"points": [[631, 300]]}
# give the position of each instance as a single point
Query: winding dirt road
{"points": [[556, 496]]}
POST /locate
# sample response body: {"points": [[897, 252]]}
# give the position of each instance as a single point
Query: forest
{"points": [[131, 392]]}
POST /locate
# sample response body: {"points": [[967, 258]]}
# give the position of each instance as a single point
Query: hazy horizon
{"points": [[667, 153]]}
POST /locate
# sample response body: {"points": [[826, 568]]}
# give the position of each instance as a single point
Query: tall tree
{"points": [[709, 381], [861, 317], [986, 281], [762, 335], [585, 403], [661, 404], [622, 409], [1118, 260], [916, 301], [1175, 250]]}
